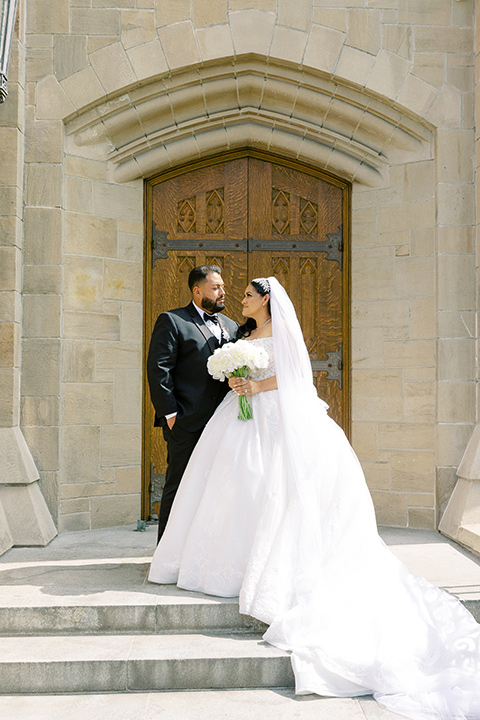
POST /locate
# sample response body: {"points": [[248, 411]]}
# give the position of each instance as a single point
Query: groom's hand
{"points": [[171, 421]]}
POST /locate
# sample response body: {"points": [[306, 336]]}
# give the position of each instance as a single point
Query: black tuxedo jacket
{"points": [[177, 367]]}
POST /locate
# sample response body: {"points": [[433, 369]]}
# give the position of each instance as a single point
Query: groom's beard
{"points": [[212, 306]]}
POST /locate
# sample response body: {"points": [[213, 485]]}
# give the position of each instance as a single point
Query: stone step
{"points": [[133, 663], [164, 617], [260, 704]]}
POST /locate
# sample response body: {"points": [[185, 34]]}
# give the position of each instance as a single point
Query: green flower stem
{"points": [[244, 408]]}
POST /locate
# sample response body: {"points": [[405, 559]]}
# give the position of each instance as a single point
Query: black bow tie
{"points": [[212, 318]]}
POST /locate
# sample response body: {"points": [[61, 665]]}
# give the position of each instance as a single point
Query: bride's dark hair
{"points": [[262, 286]]}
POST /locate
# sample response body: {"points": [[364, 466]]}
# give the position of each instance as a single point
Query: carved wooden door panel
{"points": [[252, 216], [197, 218], [300, 241]]}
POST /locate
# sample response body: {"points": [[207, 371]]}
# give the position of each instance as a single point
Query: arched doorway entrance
{"points": [[253, 214]]}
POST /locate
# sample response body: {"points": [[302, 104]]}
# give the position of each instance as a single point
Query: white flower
{"points": [[233, 356]]}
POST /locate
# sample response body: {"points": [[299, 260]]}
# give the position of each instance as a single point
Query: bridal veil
{"points": [[355, 619]]}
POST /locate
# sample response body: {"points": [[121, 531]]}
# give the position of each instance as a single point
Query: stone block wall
{"points": [[12, 133], [414, 327], [102, 348], [76, 118]]}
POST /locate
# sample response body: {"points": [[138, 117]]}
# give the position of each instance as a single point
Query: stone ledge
{"points": [[17, 466], [461, 518], [6, 540], [28, 518], [469, 537], [24, 516]]}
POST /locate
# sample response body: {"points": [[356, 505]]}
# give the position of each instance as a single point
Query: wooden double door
{"points": [[254, 215]]}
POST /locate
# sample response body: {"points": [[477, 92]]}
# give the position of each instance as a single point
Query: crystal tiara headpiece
{"points": [[263, 283]]}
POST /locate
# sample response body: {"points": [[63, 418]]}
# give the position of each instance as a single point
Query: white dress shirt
{"points": [[214, 328]]}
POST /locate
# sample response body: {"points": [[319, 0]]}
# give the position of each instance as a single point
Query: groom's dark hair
{"points": [[199, 274]]}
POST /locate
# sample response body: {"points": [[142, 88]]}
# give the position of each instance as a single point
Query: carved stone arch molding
{"points": [[250, 102]]}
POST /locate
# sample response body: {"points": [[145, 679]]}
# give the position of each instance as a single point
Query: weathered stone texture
{"points": [[377, 394], [83, 284], [69, 54], [42, 316], [78, 361], [389, 74], [9, 381], [364, 30], [9, 345], [78, 195], [81, 456], [147, 60], [40, 366], [179, 44], [40, 411], [95, 21], [42, 279], [90, 235], [295, 15], [48, 18], [112, 67], [118, 356], [206, 13], [289, 44], [43, 236], [323, 47], [128, 397], [43, 142], [44, 443], [83, 87], [390, 508], [123, 280], [117, 201], [43, 185], [116, 510], [87, 404], [412, 471], [121, 445], [421, 518], [74, 523], [172, 11], [138, 28], [128, 480], [91, 326]]}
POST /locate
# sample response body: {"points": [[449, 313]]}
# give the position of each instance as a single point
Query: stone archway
{"points": [[268, 105]]}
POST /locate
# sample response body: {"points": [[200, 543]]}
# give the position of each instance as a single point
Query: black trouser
{"points": [[180, 445]]}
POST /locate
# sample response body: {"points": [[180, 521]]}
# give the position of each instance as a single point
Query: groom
{"points": [[183, 393]]}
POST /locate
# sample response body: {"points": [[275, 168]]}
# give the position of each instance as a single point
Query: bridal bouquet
{"points": [[237, 359]]}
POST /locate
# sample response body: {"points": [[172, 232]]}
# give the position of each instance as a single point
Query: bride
{"points": [[276, 510]]}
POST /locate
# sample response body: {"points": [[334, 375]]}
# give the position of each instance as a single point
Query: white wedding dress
{"points": [[311, 565]]}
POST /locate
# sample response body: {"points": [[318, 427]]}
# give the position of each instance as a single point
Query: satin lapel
{"points": [[211, 340]]}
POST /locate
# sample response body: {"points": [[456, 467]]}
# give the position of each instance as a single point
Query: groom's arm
{"points": [[162, 358]]}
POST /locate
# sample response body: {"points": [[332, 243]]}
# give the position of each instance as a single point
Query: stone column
{"points": [[461, 519], [24, 516]]}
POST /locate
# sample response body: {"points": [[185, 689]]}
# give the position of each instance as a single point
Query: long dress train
{"points": [[354, 618]]}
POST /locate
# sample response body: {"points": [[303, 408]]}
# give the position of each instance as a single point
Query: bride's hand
{"points": [[243, 386]]}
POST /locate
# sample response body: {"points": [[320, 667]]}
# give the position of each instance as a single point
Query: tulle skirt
{"points": [[313, 568]]}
